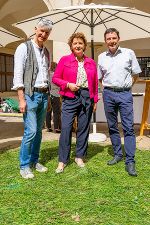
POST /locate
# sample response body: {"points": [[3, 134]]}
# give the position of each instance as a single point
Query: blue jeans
{"points": [[122, 102], [33, 123]]}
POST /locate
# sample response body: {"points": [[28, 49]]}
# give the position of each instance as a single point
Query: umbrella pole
{"points": [[94, 137]]}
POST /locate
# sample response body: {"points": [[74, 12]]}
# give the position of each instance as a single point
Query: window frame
{"points": [[6, 78]]}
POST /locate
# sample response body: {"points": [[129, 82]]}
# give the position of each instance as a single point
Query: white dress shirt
{"points": [[116, 70]]}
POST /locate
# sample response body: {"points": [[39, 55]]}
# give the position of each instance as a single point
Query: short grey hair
{"points": [[45, 23]]}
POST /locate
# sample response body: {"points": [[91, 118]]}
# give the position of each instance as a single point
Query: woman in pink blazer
{"points": [[76, 75]]}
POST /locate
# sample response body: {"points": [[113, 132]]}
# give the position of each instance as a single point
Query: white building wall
{"points": [[51, 4], [60, 49]]}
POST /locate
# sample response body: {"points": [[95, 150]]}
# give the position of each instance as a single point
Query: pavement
{"points": [[11, 132]]}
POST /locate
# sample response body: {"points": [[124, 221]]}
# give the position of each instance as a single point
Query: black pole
{"points": [[92, 50], [92, 35]]}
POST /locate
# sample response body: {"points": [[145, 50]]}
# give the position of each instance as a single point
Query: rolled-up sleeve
{"points": [[100, 75], [135, 65], [19, 66]]}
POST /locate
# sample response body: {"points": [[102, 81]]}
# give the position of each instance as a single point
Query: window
{"points": [[6, 72], [145, 67]]}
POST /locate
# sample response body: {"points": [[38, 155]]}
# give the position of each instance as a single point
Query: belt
{"points": [[115, 89], [41, 90], [83, 88]]}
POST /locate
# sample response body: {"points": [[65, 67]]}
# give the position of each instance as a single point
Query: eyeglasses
{"points": [[45, 21]]}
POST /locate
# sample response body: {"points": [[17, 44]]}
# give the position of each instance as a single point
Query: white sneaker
{"points": [[40, 168], [26, 173]]}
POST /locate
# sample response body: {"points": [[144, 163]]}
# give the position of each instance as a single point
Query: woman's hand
{"points": [[73, 87], [94, 107]]}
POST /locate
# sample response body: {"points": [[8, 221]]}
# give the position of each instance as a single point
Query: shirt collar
{"points": [[86, 59], [37, 45], [116, 53]]}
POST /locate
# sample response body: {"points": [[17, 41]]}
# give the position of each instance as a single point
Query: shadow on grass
{"points": [[111, 152], [49, 151]]}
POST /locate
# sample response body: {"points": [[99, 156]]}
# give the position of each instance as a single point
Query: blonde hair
{"points": [[77, 35]]}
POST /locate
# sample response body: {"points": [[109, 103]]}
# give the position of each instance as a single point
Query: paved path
{"points": [[11, 131]]}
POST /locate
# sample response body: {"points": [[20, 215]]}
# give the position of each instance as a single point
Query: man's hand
{"points": [[73, 87], [22, 101], [22, 105], [134, 79]]}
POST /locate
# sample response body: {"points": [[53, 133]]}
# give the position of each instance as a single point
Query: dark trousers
{"points": [[55, 106], [72, 107], [122, 102]]}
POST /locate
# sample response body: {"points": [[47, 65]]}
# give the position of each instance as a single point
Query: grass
{"points": [[95, 195]]}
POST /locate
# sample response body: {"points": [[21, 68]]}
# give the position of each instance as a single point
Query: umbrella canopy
{"points": [[7, 37], [93, 20]]}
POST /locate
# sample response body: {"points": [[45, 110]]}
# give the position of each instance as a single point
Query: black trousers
{"points": [[55, 107], [82, 107]]}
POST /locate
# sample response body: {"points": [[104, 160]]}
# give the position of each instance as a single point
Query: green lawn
{"points": [[95, 195]]}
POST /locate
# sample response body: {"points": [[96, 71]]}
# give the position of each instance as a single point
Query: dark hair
{"points": [[77, 35], [111, 30], [53, 66]]}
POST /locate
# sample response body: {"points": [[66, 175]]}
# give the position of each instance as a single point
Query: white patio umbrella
{"points": [[93, 20]]}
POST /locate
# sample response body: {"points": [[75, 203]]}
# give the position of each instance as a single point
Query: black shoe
{"points": [[130, 168], [49, 130], [115, 160], [57, 131]]}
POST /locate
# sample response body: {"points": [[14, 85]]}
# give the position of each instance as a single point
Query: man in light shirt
{"points": [[118, 70], [31, 65]]}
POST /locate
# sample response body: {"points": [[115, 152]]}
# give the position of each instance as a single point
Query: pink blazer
{"points": [[66, 71]]}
